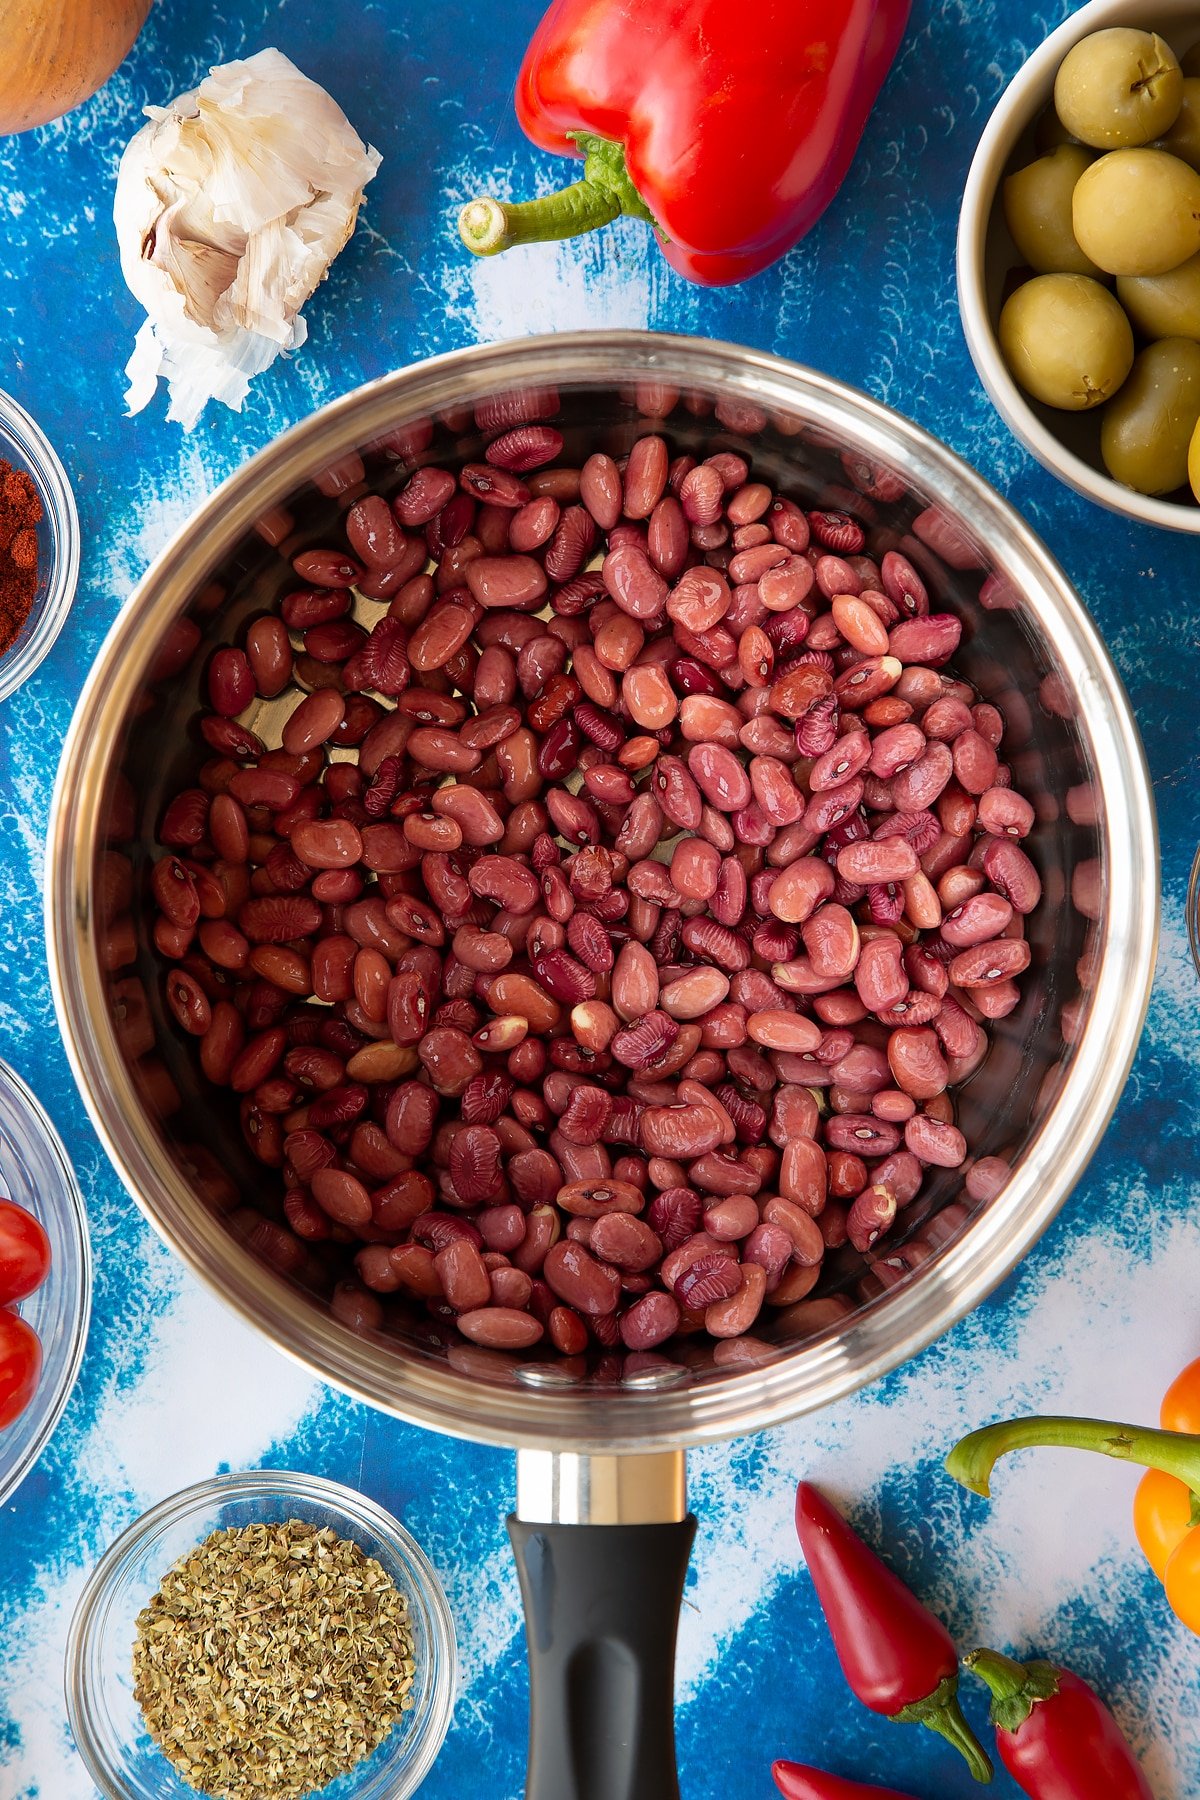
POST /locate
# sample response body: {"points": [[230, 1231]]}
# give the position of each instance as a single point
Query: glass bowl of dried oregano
{"points": [[260, 1637]]}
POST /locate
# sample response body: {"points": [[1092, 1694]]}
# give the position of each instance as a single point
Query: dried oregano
{"points": [[272, 1659]]}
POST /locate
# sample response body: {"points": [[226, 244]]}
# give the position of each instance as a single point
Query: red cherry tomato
{"points": [[24, 1253], [20, 1365]]}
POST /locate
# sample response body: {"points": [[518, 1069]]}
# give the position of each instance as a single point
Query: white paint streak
{"points": [[162, 505], [559, 287]]}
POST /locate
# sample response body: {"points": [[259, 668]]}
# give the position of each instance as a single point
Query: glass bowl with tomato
{"points": [[45, 1280]]}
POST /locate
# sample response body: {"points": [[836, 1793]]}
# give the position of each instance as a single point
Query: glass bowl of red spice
{"points": [[39, 545]]}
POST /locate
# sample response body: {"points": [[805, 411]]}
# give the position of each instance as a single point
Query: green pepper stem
{"points": [[1003, 1674], [488, 226], [1016, 1687], [1174, 1452], [942, 1712]]}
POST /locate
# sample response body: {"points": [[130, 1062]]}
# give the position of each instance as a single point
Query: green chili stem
{"points": [[1003, 1675], [1174, 1452], [948, 1721], [1016, 1687], [942, 1712]]}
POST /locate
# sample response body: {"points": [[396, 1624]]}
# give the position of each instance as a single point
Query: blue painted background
{"points": [[1097, 1319]]}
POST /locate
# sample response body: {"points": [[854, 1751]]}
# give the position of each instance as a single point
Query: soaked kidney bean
{"points": [[975, 762], [645, 477], [501, 1328], [188, 1002], [880, 978], [231, 686], [1005, 813], [735, 1314], [1010, 872], [695, 993], [988, 963], [870, 1216], [465, 1281], [586, 922], [915, 1058], [269, 652], [877, 861], [778, 1030], [650, 1321], [732, 1218], [592, 1288], [626, 1242], [720, 777], [314, 721], [342, 1196], [327, 843], [931, 1141], [600, 490], [979, 917]]}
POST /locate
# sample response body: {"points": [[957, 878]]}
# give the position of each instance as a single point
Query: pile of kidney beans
{"points": [[603, 942]]}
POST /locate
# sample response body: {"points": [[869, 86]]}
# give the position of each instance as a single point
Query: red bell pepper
{"points": [[796, 1782], [1056, 1737], [897, 1658], [728, 125]]}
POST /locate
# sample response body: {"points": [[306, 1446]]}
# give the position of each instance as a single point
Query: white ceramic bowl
{"points": [[1065, 443]]}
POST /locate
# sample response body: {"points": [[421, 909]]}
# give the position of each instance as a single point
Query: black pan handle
{"points": [[601, 1615]]}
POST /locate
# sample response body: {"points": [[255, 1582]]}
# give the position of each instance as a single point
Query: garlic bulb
{"points": [[230, 206]]}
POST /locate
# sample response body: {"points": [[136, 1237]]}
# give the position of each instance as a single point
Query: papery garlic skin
{"points": [[230, 206]]}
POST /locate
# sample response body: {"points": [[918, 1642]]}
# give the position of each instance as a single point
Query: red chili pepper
{"points": [[796, 1782], [897, 1658], [728, 125], [1056, 1737]]}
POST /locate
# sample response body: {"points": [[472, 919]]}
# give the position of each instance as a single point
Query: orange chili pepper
{"points": [[1162, 1517], [1180, 1410], [1182, 1581], [1164, 1508]]}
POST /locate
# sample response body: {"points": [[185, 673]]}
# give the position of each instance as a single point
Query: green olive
{"points": [[1189, 62], [1147, 428], [1037, 208], [1118, 87], [1050, 132], [1183, 139], [1066, 341], [1137, 212], [1164, 305]]}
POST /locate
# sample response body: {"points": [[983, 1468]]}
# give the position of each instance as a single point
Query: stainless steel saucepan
{"points": [[601, 1526]]}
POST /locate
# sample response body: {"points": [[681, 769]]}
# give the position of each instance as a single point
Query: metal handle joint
{"points": [[562, 1488]]}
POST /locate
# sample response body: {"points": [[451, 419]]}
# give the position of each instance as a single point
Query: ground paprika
{"points": [[20, 511]]}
